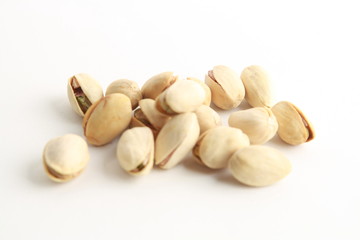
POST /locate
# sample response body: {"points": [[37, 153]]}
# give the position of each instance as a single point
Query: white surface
{"points": [[310, 48]]}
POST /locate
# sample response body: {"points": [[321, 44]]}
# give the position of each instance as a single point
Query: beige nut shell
{"points": [[207, 118], [127, 87], [206, 88], [157, 84]]}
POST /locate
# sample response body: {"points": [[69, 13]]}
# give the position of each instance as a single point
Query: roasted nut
{"points": [[65, 157], [107, 118], [152, 114], [176, 139], [259, 124], [215, 146], [135, 150], [157, 84], [227, 90], [128, 88], [294, 127], [207, 90], [259, 166], [83, 90], [207, 118]]}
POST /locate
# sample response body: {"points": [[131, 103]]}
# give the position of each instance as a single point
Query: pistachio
{"points": [[294, 127], [258, 123], [176, 139], [227, 90], [65, 157], [152, 114], [140, 120], [259, 166], [157, 84], [128, 88], [207, 90], [207, 118], [182, 96], [215, 146], [107, 118], [83, 90], [135, 150]]}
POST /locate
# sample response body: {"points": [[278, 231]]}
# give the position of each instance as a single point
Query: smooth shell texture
{"points": [[176, 139], [135, 151], [183, 96], [128, 88], [157, 84], [152, 114], [207, 118], [294, 127], [107, 118], [140, 120], [89, 86], [207, 90], [215, 146], [65, 157], [259, 166], [227, 89], [259, 123], [257, 86]]}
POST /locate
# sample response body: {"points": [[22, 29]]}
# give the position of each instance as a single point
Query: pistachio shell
{"points": [[176, 139], [227, 90], [294, 127], [215, 146], [157, 84], [207, 118], [140, 120], [107, 118], [65, 157], [257, 86], [128, 88], [207, 90], [182, 96], [259, 166], [135, 150], [153, 115], [259, 124]]}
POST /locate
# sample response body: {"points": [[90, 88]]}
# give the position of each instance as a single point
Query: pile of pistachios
{"points": [[170, 117]]}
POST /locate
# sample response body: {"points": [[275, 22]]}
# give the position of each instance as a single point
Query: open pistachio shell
{"points": [[153, 115], [215, 146], [65, 157], [259, 123], [176, 139], [259, 166], [227, 89], [207, 118], [207, 90], [135, 151], [107, 118], [157, 84], [83, 91], [128, 88], [294, 127]]}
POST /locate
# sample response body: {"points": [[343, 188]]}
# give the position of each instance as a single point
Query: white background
{"points": [[310, 49]]}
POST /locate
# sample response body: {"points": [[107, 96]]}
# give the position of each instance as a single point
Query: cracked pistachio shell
{"points": [[257, 86], [135, 151], [258, 123], [65, 157], [215, 146], [152, 114], [140, 120], [83, 91], [207, 90], [227, 89], [207, 118], [183, 96], [176, 139], [294, 127], [107, 118], [128, 88], [157, 84], [259, 166]]}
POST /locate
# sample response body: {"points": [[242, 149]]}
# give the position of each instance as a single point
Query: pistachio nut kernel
{"points": [[294, 127], [207, 118], [140, 120], [227, 89], [215, 146], [135, 151], [157, 84], [257, 86], [207, 90], [176, 139], [128, 88], [107, 118], [65, 157], [152, 114], [83, 90], [258, 123], [183, 96], [259, 166]]}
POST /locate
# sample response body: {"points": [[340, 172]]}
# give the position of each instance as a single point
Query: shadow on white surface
{"points": [[37, 176], [62, 110]]}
